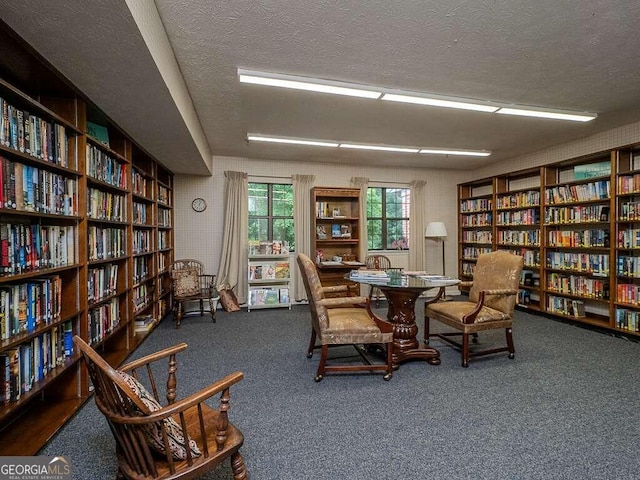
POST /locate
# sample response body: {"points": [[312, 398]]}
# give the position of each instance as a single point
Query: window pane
{"points": [[397, 234], [283, 230], [374, 234], [397, 202], [282, 201], [374, 202], [258, 229], [258, 199]]}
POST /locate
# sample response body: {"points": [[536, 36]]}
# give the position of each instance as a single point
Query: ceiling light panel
{"points": [[441, 151], [290, 141], [383, 148], [439, 102], [553, 114]]}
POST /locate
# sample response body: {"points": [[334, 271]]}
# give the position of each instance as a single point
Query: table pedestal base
{"points": [[402, 314]]}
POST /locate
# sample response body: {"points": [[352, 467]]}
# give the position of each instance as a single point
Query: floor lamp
{"points": [[438, 232]]}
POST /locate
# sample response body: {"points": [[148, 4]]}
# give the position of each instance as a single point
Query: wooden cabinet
{"points": [[335, 233], [576, 223], [79, 238]]}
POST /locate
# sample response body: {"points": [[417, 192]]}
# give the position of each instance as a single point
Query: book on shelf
{"points": [[336, 232], [284, 295], [98, 132], [321, 232], [282, 270]]}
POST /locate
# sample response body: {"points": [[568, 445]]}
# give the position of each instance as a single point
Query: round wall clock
{"points": [[199, 205]]}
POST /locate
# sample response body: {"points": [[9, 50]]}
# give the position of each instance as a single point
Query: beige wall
{"points": [[199, 235]]}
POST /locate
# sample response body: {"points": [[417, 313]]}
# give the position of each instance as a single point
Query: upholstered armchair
{"points": [[342, 321], [191, 284], [184, 438], [491, 304]]}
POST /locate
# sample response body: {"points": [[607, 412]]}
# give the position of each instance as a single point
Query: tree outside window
{"points": [[388, 218], [271, 212]]}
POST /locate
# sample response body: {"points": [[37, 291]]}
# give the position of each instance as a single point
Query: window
{"points": [[388, 218], [271, 212]]}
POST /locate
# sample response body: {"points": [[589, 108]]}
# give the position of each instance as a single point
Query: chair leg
{"points": [[212, 309], [465, 350], [323, 362], [201, 307], [178, 313], [426, 330], [512, 351], [237, 467], [474, 337], [389, 374], [312, 344]]}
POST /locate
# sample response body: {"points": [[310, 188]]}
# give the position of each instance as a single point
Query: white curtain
{"points": [[362, 183], [302, 224], [417, 225], [233, 260]]}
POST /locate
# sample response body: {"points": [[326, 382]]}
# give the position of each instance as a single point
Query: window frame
{"points": [[385, 219], [270, 217]]}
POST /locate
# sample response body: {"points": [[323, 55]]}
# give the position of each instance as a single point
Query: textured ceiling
{"points": [[575, 54]]}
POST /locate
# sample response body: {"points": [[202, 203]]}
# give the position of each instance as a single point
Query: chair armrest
{"points": [[467, 284], [471, 316], [343, 302], [336, 289], [441, 292], [141, 362]]}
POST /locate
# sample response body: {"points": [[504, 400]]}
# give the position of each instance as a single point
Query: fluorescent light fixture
{"points": [[256, 137], [554, 114], [308, 84], [440, 102], [442, 151], [393, 95], [382, 148], [292, 141]]}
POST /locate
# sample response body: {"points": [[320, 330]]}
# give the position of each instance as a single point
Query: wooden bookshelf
{"points": [[580, 240], [67, 265]]}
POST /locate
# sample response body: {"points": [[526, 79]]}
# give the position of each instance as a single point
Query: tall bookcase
{"points": [[335, 233], [70, 187], [576, 223]]}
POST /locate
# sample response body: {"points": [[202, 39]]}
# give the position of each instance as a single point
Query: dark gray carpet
{"points": [[566, 407]]}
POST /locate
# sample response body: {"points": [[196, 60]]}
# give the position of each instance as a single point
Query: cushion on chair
{"points": [[185, 282], [153, 431], [352, 325], [456, 310]]}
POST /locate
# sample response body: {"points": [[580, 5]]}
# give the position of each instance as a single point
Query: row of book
{"points": [[627, 320], [24, 307], [106, 242], [139, 183], [105, 168], [34, 189], [268, 296], [594, 264], [629, 211], [164, 217], [519, 237], [370, 274], [269, 271], [530, 216], [103, 320], [629, 266], [139, 213], [476, 219], [164, 195], [628, 293], [629, 184], [106, 205], [25, 248], [30, 134], [103, 282], [140, 269], [141, 241], [531, 257], [472, 253], [578, 193], [576, 214], [578, 238], [142, 295], [483, 236], [143, 323], [578, 285], [475, 205], [530, 198], [565, 306], [163, 240], [24, 365]]}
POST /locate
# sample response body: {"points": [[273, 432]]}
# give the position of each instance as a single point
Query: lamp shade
{"points": [[436, 230]]}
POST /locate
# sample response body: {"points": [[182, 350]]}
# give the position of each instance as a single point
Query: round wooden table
{"points": [[401, 292]]}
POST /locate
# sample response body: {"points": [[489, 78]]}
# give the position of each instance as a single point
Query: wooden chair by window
{"points": [[343, 321], [491, 304], [191, 284], [378, 262], [182, 440]]}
